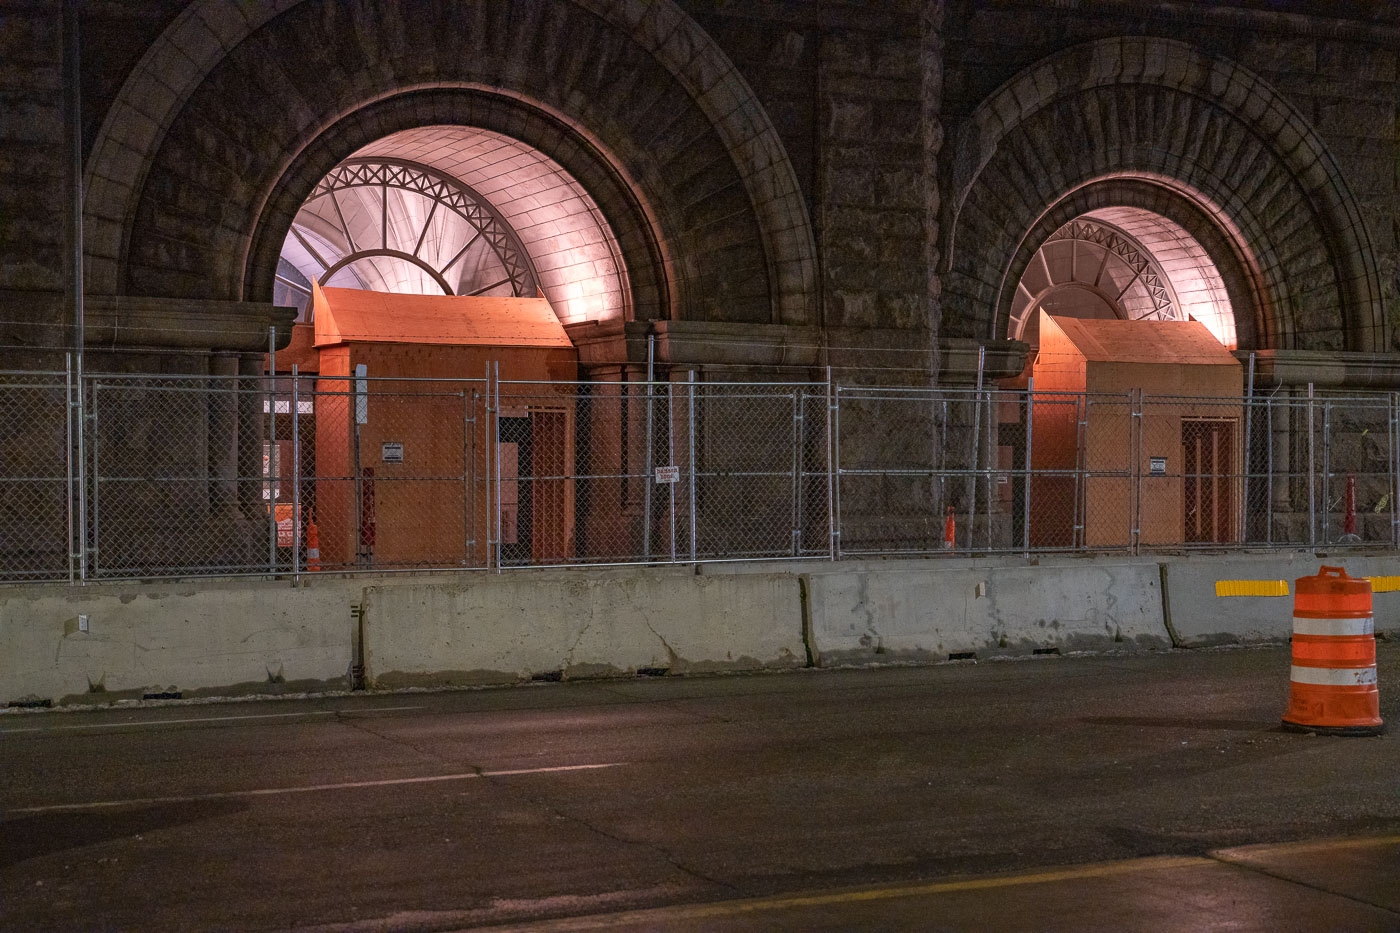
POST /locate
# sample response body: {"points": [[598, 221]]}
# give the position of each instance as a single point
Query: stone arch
{"points": [[1247, 286], [676, 97], [655, 290], [1216, 142]]}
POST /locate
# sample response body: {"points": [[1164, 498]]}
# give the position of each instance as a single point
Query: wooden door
{"points": [[1207, 458]]}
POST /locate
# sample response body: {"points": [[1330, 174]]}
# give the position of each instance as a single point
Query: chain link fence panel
{"points": [[187, 476], [36, 436]]}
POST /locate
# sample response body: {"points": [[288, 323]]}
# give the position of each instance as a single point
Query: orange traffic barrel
{"points": [[313, 547], [1333, 680]]}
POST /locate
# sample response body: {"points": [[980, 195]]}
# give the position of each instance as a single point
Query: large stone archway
{"points": [[1155, 123], [206, 145]]}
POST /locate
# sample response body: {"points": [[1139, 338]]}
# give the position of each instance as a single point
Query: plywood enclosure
{"points": [[1168, 464], [404, 470]]}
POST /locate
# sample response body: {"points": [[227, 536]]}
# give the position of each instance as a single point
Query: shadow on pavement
{"points": [[33, 835]]}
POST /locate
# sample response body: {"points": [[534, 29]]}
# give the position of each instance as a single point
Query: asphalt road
{"points": [[442, 811]]}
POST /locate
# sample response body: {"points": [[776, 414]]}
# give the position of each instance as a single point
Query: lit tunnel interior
{"points": [[1123, 263], [455, 210]]}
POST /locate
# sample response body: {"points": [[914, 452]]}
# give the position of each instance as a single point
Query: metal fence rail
{"points": [[119, 476]]}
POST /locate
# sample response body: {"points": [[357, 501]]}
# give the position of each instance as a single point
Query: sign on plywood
{"points": [[392, 452], [668, 474], [1157, 466]]}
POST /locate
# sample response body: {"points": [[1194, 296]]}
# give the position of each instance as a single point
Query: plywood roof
{"points": [[352, 315], [1112, 341]]}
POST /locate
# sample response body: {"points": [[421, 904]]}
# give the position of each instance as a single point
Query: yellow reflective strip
{"points": [[1384, 584], [1251, 587]]}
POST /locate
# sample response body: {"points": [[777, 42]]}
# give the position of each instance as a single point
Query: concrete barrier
{"points": [[929, 610], [223, 639], [1198, 617], [487, 628]]}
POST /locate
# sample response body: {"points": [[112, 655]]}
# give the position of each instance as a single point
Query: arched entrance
{"points": [[1123, 263], [1138, 122], [640, 106], [455, 210]]}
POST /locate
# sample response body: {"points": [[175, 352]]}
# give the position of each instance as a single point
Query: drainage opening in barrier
{"points": [[168, 695], [1054, 651], [30, 704], [552, 677], [962, 656], [653, 671]]}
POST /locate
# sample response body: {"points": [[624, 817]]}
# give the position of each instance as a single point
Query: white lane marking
{"points": [[1352, 627], [1333, 676], [272, 791], [166, 722]]}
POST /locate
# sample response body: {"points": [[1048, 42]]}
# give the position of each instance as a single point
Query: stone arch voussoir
{"points": [[1215, 141], [686, 83]]}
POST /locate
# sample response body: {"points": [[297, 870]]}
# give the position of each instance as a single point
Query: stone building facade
{"points": [[816, 174], [789, 183]]}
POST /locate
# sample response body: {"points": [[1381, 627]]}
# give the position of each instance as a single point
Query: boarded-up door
{"points": [[1207, 467]]}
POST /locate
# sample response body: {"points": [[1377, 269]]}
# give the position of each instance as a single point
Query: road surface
{"points": [[1019, 794]]}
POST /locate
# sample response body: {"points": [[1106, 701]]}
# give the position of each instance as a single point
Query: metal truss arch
{"points": [[482, 224]]}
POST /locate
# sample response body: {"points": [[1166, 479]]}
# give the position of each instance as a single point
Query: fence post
{"points": [[1026, 490], [1394, 472], [796, 472], [830, 472], [488, 522], [68, 454], [1312, 473], [1248, 447], [991, 460], [1081, 480], [976, 451], [690, 428], [468, 441], [834, 466], [1326, 471], [496, 446], [87, 562], [273, 467], [296, 473], [1269, 506], [1135, 473], [671, 457], [647, 457]]}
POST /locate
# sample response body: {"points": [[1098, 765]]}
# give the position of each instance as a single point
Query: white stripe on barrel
{"points": [[1366, 626], [1333, 676]]}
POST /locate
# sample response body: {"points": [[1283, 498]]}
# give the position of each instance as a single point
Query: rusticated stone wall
{"points": [[192, 116]]}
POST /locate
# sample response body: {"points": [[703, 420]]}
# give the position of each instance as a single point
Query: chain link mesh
{"points": [[184, 476], [35, 438]]}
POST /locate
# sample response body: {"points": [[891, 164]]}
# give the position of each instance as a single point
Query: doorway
{"points": [[1207, 456]]}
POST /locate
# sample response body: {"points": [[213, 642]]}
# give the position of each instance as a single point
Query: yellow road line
{"points": [[1289, 848], [1240, 855], [787, 902], [1251, 587]]}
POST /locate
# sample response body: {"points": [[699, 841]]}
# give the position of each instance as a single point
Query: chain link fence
{"points": [[168, 476]]}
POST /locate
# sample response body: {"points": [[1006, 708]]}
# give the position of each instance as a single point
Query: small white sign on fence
{"points": [[392, 452], [668, 474], [1157, 466]]}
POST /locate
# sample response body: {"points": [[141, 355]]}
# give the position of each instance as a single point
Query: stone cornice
{"points": [[696, 343], [1324, 368], [121, 321], [1004, 359]]}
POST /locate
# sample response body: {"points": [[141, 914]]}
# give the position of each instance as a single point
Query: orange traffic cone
{"points": [[313, 547], [1333, 680], [949, 530]]}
